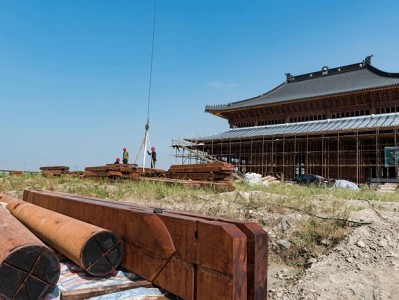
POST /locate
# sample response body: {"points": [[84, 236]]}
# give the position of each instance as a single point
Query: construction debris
{"points": [[28, 268], [96, 250], [207, 258]]}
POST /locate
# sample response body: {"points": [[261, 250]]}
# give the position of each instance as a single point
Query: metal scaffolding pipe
{"points": [[28, 268], [98, 251]]}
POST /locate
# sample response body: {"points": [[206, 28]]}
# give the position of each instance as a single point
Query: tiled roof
{"points": [[312, 127], [328, 82]]}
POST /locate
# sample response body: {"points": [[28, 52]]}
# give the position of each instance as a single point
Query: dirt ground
{"points": [[365, 265]]}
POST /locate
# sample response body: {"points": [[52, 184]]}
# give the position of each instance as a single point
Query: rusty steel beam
{"points": [[210, 261], [98, 251], [28, 268]]}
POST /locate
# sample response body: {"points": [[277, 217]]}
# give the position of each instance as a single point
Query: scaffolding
{"points": [[361, 156]]}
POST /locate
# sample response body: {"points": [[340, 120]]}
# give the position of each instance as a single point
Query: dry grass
{"points": [[316, 214]]}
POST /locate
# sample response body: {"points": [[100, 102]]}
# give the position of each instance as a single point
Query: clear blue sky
{"points": [[74, 75]]}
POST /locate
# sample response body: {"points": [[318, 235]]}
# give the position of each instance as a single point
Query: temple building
{"points": [[340, 123]]}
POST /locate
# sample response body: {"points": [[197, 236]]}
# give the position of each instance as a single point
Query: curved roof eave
{"points": [[359, 77]]}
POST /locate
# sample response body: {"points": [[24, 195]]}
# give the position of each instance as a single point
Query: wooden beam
{"points": [[196, 270]]}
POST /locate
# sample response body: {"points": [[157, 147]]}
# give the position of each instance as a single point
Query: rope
{"points": [[152, 59]]}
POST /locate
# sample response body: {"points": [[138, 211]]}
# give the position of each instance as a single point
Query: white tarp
{"points": [[345, 184], [254, 179]]}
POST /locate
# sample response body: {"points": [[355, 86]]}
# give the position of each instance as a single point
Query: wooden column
{"points": [[28, 268], [98, 251]]}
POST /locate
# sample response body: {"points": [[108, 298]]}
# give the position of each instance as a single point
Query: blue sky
{"points": [[74, 75]]}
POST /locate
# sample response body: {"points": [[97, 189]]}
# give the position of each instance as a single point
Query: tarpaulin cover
{"points": [[74, 278]]}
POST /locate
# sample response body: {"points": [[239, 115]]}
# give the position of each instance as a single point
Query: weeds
{"points": [[321, 212]]}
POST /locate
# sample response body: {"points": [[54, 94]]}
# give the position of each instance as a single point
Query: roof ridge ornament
{"points": [[289, 76], [324, 70], [367, 60]]}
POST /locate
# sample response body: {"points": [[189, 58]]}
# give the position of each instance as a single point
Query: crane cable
{"points": [[147, 125]]}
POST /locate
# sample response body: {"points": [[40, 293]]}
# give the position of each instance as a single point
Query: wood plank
{"points": [[86, 293]]}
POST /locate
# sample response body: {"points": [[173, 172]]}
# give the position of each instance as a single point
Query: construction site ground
{"points": [[358, 259]]}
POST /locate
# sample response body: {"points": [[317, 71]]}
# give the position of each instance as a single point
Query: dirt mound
{"points": [[363, 266]]}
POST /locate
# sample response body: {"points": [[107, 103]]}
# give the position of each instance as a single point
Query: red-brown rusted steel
{"points": [[211, 257], [98, 251], [28, 268]]}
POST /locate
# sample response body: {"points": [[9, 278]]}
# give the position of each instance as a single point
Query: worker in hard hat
{"points": [[117, 160], [153, 155], [125, 156]]}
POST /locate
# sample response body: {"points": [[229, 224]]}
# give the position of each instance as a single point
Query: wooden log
{"points": [[200, 270], [28, 268], [98, 251], [148, 245]]}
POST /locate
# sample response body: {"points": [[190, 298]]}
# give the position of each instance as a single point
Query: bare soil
{"points": [[365, 265]]}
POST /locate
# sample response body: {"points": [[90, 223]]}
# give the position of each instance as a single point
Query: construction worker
{"points": [[117, 160], [125, 157], [153, 156]]}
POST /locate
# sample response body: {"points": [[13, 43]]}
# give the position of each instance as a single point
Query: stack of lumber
{"points": [[16, 172], [151, 172], [271, 179], [54, 171], [190, 255], [123, 171], [388, 187], [218, 171]]}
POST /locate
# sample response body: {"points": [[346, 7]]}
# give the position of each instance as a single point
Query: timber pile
{"points": [[16, 172], [28, 268], [96, 250], [192, 256], [54, 171], [218, 171], [112, 171], [151, 172]]}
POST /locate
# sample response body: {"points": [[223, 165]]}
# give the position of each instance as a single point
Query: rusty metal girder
{"points": [[28, 268], [210, 259], [98, 251]]}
